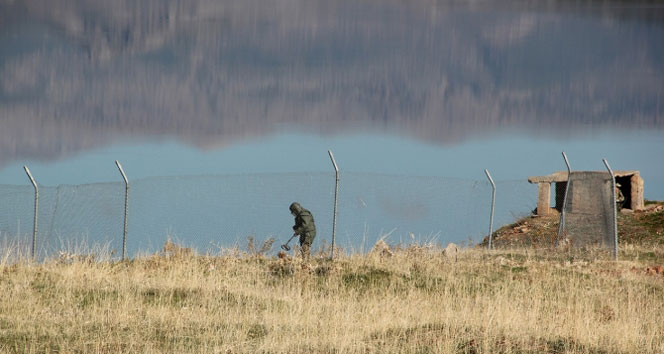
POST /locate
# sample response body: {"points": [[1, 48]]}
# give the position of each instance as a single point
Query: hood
{"points": [[295, 208]]}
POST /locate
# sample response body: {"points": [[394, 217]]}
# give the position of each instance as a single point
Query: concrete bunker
{"points": [[631, 186]]}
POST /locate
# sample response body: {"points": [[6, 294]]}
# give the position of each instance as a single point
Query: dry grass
{"points": [[413, 300]]}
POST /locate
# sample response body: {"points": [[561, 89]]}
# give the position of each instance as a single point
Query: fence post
{"points": [[561, 226], [336, 194], [126, 210], [615, 210], [493, 203], [36, 216]]}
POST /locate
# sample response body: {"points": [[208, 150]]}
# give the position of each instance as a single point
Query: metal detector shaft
{"points": [[285, 246]]}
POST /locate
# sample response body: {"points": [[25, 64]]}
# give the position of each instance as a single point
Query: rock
{"points": [[69, 258], [381, 248], [652, 208], [451, 251], [171, 249], [654, 270]]}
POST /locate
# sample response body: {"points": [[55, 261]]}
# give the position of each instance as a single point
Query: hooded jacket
{"points": [[304, 221]]}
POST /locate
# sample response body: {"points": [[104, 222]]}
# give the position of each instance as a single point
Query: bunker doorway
{"points": [[625, 183], [626, 190]]}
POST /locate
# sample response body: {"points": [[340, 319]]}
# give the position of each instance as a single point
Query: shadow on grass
{"points": [[434, 337]]}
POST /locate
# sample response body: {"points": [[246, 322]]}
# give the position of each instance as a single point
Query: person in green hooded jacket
{"points": [[304, 227]]}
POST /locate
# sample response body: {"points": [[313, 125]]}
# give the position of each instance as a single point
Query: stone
{"points": [[654, 270], [451, 251], [171, 249], [381, 248]]}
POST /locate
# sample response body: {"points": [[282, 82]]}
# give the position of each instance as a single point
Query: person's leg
{"points": [[305, 245], [304, 248]]}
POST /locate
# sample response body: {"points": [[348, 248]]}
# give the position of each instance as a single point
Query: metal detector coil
{"points": [[285, 246]]}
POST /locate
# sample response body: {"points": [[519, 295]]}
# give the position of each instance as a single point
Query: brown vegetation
{"points": [[413, 299]]}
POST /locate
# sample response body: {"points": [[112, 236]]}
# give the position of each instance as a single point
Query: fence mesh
{"points": [[589, 209], [69, 217], [212, 212]]}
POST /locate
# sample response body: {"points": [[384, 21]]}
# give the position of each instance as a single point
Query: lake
{"points": [[222, 113]]}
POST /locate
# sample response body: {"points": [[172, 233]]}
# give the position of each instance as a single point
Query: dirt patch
{"points": [[534, 231], [644, 227]]}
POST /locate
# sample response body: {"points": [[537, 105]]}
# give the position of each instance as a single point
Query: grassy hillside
{"points": [[644, 228], [413, 300]]}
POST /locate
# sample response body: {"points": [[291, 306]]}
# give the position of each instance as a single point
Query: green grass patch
{"points": [[95, 297], [177, 297]]}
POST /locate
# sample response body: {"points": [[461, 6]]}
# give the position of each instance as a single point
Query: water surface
{"points": [[416, 88]]}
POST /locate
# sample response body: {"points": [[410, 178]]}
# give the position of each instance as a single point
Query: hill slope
{"points": [[645, 227]]}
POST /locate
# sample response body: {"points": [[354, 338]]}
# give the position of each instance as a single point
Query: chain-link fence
{"points": [[212, 212], [589, 209]]}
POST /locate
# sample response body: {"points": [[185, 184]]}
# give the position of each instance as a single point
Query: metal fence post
{"points": [[615, 209], [36, 216], [336, 194], [126, 210], [561, 226], [493, 203]]}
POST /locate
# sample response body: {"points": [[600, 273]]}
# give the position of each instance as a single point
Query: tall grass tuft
{"points": [[412, 299]]}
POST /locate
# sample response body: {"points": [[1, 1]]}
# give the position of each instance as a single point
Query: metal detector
{"points": [[285, 246]]}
